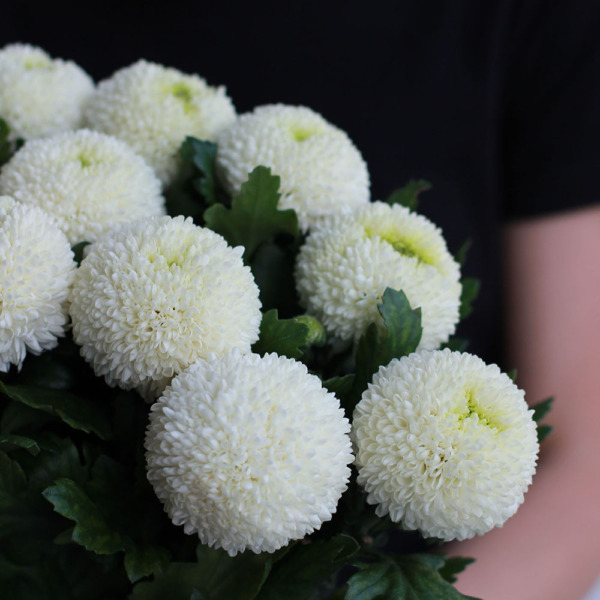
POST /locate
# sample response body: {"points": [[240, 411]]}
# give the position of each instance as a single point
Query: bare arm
{"points": [[550, 550]]}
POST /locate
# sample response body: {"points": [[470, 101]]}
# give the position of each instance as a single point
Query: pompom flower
{"points": [[248, 452], [153, 108], [89, 181], [154, 295], [40, 96], [349, 260], [36, 270], [446, 444], [321, 170]]}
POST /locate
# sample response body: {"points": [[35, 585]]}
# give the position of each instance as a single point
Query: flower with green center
{"points": [[321, 170], [90, 182], [40, 96], [36, 271], [153, 108], [154, 295], [248, 452], [445, 444], [349, 260]]}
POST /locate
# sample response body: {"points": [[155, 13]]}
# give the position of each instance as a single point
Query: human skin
{"points": [[550, 549]]}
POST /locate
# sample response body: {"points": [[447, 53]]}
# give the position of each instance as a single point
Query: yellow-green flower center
{"points": [[402, 244], [182, 92], [37, 62], [474, 408]]}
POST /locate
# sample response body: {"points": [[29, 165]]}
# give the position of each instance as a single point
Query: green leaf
{"points": [[400, 336], [77, 412], [12, 477], [408, 577], [513, 375], [454, 565], [5, 145], [340, 386], [456, 344], [254, 217], [215, 575], [470, 291], [540, 410], [91, 529], [202, 155], [283, 336], [142, 561], [20, 441], [409, 194], [306, 565], [461, 255], [78, 251]]}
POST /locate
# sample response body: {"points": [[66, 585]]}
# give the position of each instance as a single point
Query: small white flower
{"points": [[40, 96], [153, 108], [321, 170], [248, 452], [36, 270], [88, 181], [154, 295], [349, 260], [446, 444]]}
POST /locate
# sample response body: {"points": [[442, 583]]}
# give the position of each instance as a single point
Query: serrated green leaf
{"points": [[254, 217], [409, 194], [340, 386], [77, 412], [78, 250], [202, 154], [470, 291], [143, 561], [400, 335], [91, 529], [408, 577], [296, 575], [543, 431], [513, 375], [12, 477], [454, 565], [215, 575], [20, 441], [5, 145], [463, 251], [456, 344], [283, 336], [541, 409]]}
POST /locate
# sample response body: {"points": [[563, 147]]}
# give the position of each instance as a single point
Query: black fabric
{"points": [[496, 102]]}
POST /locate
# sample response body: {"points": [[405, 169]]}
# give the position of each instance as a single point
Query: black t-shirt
{"points": [[496, 102]]}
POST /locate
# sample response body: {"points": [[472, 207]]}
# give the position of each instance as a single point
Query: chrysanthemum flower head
{"points": [[40, 96], [153, 108], [36, 270], [248, 452], [154, 295], [89, 181], [349, 260], [445, 444], [321, 170]]}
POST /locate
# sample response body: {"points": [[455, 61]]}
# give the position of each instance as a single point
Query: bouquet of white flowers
{"points": [[225, 372]]}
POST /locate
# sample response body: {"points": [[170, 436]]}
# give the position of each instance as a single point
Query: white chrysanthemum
{"points": [[349, 260], [88, 181], [248, 452], [36, 270], [40, 96], [154, 295], [153, 108], [445, 444], [321, 170]]}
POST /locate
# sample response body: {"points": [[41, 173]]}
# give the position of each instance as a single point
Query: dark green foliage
{"points": [[409, 194], [286, 337], [5, 145], [470, 291], [540, 410]]}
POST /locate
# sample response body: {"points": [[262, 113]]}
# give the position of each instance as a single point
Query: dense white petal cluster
{"points": [[88, 181], [153, 108], [36, 270], [445, 444], [248, 452], [40, 96], [349, 260], [321, 170], [154, 295]]}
